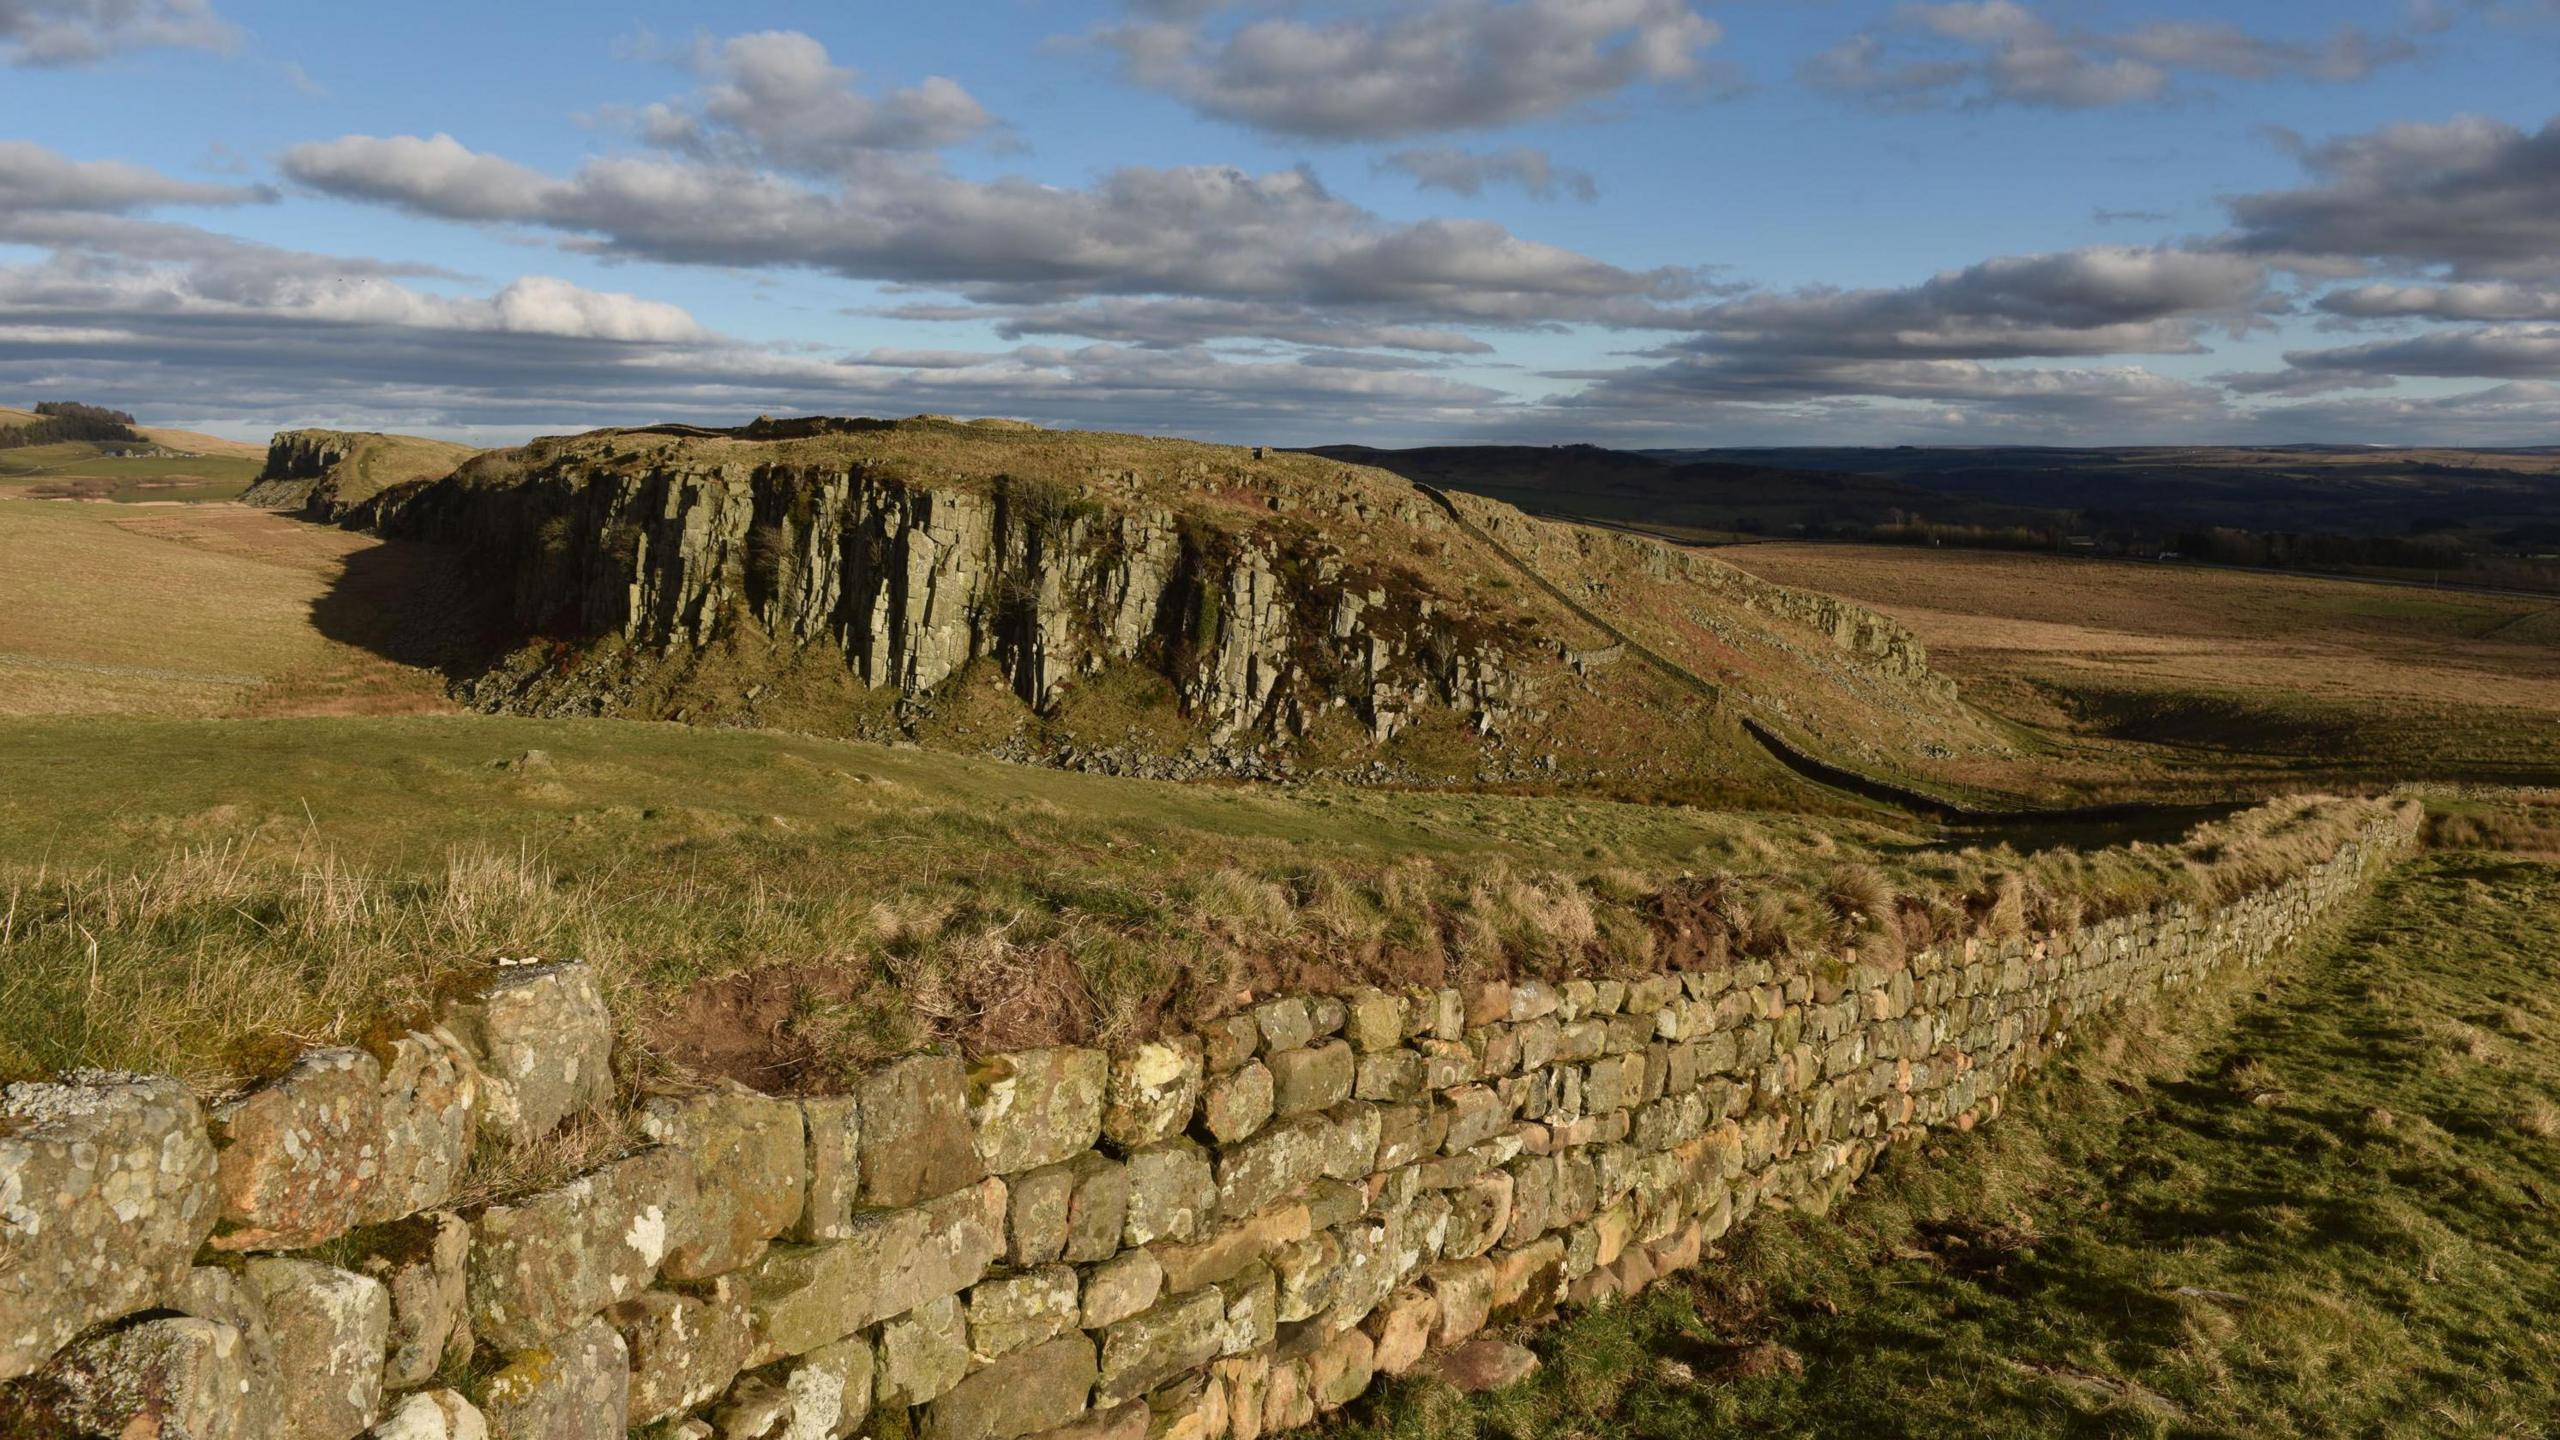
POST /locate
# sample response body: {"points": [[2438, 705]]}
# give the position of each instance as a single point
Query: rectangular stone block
{"points": [[1144, 1351], [1033, 1390], [917, 1140], [806, 1296], [1037, 1107]]}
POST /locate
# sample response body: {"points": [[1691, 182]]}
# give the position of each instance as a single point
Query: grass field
{"points": [[81, 469], [2318, 1208], [182, 610], [201, 896], [2219, 676]]}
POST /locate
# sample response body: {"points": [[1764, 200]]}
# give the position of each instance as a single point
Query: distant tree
{"points": [[61, 420]]}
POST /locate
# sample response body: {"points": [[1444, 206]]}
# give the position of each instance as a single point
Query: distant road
{"points": [[2546, 596]]}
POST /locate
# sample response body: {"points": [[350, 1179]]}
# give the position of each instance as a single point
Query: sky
{"points": [[1626, 222]]}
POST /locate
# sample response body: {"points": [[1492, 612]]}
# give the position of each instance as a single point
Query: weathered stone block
{"points": [[917, 1140], [1014, 1312], [1173, 1193], [106, 1192], [1237, 1103], [174, 1376], [1401, 1328], [1193, 1407], [1476, 1114], [750, 1162], [683, 1349], [1479, 1214], [1529, 1282], [1351, 1141], [541, 1267], [1252, 1300], [296, 1155], [423, 1264], [1390, 1075], [1228, 1042], [1306, 1274], [577, 1387], [1154, 1089], [834, 1126], [1484, 1365], [1232, 1248], [1144, 1351], [1037, 1107], [544, 1043], [756, 1408], [429, 1103], [1304, 1081], [1284, 1024], [923, 1353], [1125, 1285], [1376, 1021], [1464, 1290], [830, 1389], [432, 1415], [1032, 1390], [807, 1296], [223, 1296], [1035, 1226], [1257, 1172], [1337, 1373], [330, 1328], [1097, 1210]]}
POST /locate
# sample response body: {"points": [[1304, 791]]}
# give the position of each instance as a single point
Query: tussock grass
{"points": [[208, 899], [2262, 1213]]}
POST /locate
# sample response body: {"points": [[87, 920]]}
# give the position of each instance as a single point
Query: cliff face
{"points": [[297, 461], [1259, 629], [326, 474], [1293, 613]]}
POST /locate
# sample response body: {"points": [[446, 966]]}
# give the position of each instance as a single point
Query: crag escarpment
{"points": [[1294, 612], [327, 473]]}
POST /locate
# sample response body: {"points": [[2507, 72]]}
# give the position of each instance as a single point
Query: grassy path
{"points": [[2337, 1215]]}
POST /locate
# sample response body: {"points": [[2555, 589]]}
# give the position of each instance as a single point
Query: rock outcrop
{"points": [[674, 572], [1261, 622], [325, 474]]}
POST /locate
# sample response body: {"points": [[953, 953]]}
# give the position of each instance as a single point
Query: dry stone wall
{"points": [[1210, 1237]]}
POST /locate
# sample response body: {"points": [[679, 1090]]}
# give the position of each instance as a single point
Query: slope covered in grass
{"points": [[201, 896], [2331, 1218]]}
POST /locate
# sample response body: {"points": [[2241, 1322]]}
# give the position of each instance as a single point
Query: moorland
{"points": [[278, 771]]}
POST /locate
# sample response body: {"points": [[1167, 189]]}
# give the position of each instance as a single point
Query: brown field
{"points": [[2246, 674], [190, 610], [195, 442]]}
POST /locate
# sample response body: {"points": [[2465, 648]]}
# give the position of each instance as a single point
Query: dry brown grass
{"points": [[186, 610], [2204, 672]]}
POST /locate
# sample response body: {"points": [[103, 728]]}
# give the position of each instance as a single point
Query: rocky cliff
{"points": [[327, 473], [1275, 596]]}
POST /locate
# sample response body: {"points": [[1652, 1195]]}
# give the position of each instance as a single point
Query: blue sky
{"points": [[1625, 221]]}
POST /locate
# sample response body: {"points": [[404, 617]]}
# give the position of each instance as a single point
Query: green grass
{"points": [[2317, 1208], [76, 470], [202, 896]]}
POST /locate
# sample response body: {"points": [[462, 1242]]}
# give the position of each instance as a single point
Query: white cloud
{"points": [[1439, 65], [2005, 52], [83, 32], [1471, 172], [777, 98]]}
